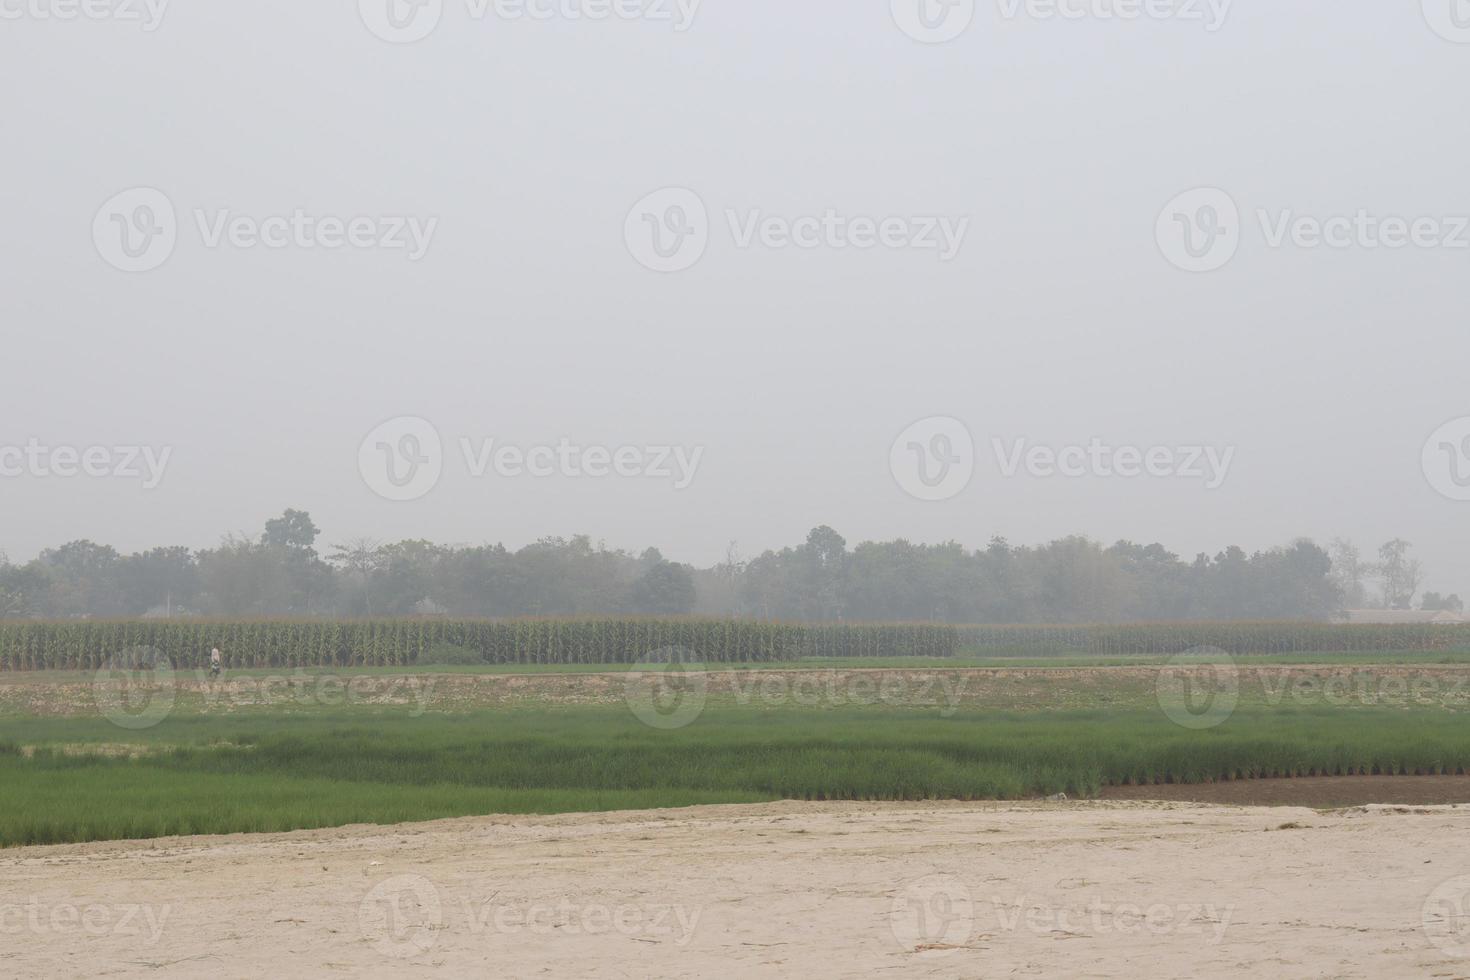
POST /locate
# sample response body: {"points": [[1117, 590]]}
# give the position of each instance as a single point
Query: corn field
{"points": [[1237, 638], [90, 645], [401, 642]]}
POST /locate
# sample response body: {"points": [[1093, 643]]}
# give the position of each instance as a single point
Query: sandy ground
{"points": [[1098, 889]]}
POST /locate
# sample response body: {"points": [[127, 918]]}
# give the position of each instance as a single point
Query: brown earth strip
{"points": [[1318, 792]]}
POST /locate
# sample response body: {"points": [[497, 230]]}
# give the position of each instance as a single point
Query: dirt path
{"points": [[53, 694], [812, 890]]}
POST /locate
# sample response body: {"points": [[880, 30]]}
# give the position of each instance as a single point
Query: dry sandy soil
{"points": [[1134, 889]]}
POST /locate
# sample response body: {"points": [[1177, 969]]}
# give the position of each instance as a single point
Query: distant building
{"points": [[428, 607], [167, 612], [1399, 617]]}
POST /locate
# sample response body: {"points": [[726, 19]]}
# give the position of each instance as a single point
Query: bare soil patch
{"points": [[1102, 889], [1318, 792]]}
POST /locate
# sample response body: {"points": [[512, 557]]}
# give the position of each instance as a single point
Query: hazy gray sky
{"points": [[520, 147]]}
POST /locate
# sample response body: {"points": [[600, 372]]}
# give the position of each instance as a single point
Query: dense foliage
{"points": [[1072, 580]]}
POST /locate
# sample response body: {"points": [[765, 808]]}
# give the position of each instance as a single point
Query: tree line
{"points": [[281, 573]]}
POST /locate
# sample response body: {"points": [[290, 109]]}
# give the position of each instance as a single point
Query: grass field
{"points": [[489, 740], [74, 779]]}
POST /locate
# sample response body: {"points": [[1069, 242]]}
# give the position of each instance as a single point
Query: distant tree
{"points": [[359, 561], [1349, 572], [83, 580], [1074, 579], [167, 577], [1400, 574], [1434, 602], [293, 531], [824, 557], [664, 589], [278, 575]]}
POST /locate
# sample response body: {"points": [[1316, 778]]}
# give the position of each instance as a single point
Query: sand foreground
{"points": [[1103, 889]]}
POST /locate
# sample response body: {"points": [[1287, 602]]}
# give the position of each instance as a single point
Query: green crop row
{"points": [[88, 645], [91, 645], [1238, 638]]}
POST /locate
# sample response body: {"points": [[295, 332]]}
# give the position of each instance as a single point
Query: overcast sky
{"points": [[1027, 285]]}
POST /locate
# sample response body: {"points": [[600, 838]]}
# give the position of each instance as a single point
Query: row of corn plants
{"points": [[1239, 638], [90, 645]]}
